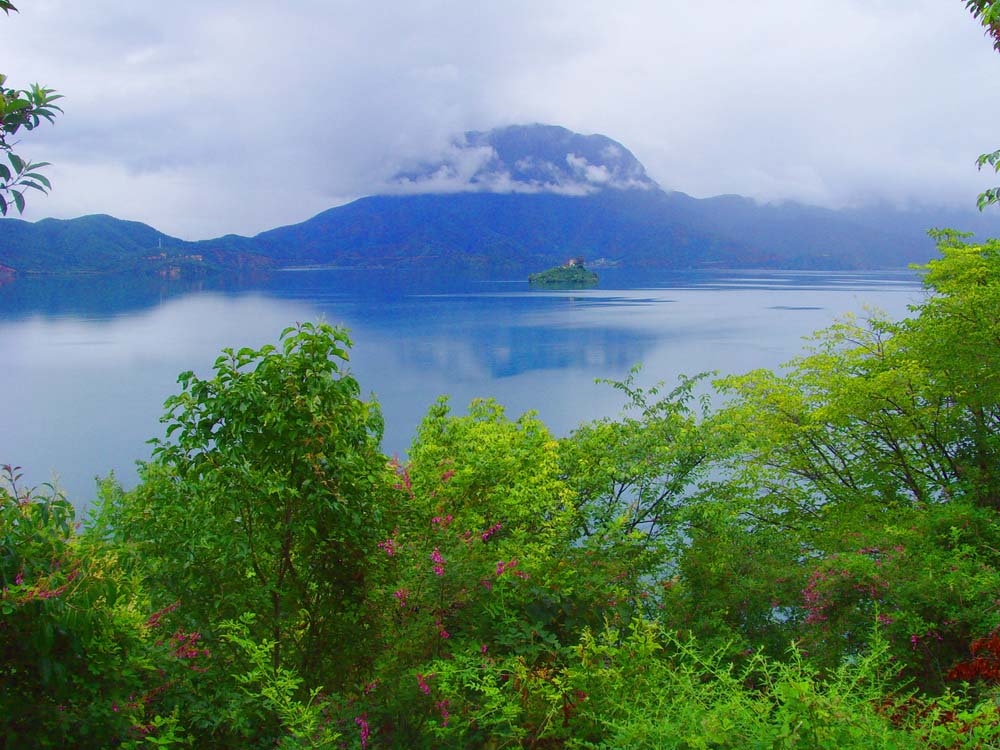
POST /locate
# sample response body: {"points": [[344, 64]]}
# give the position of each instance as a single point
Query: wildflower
{"points": [[403, 472], [505, 567], [422, 683], [362, 722], [443, 708], [438, 562], [154, 619], [388, 546], [491, 531]]}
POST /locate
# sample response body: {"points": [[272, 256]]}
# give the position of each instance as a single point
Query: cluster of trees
{"points": [[814, 563]]}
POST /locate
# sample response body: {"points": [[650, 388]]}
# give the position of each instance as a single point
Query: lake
{"points": [[88, 362]]}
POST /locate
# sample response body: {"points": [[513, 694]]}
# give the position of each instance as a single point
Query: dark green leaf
{"points": [[39, 177]]}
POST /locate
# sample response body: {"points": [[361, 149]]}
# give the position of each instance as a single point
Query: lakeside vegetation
{"points": [[812, 565]]}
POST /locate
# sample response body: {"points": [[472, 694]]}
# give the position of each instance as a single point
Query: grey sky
{"points": [[235, 116]]}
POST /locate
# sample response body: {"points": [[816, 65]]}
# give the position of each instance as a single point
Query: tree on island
{"points": [[21, 109]]}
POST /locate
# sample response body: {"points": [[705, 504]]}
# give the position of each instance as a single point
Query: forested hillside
{"points": [[814, 564]]}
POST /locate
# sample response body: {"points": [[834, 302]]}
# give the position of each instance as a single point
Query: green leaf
{"points": [[39, 177], [17, 162], [19, 202]]}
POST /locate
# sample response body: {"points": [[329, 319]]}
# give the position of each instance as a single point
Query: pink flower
{"points": [[403, 472], [422, 683], [491, 531], [443, 708], [438, 562], [388, 546], [362, 722], [503, 567]]}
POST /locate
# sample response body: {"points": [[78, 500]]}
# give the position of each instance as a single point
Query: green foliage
{"points": [[266, 498], [79, 664], [866, 484], [21, 109], [479, 567], [653, 690], [303, 724], [988, 14], [633, 475]]}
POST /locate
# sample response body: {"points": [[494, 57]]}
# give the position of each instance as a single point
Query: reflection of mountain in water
{"points": [[101, 296], [503, 352]]}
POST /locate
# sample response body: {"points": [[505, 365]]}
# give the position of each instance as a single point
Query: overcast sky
{"points": [[221, 116]]}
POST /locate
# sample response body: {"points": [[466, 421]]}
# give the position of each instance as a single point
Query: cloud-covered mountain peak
{"points": [[527, 159]]}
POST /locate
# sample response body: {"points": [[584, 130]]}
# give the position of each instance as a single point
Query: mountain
{"points": [[518, 198], [528, 159]]}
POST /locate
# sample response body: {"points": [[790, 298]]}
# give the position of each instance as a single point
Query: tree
{"points": [[266, 498], [871, 467], [21, 109]]}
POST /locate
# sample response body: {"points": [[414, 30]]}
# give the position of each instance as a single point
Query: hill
{"points": [[103, 244]]}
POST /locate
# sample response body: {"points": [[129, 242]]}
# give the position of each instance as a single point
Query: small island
{"points": [[570, 275]]}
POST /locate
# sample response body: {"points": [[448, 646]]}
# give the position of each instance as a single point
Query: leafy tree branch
{"points": [[987, 12], [21, 109]]}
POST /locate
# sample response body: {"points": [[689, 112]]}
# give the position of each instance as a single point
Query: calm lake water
{"points": [[87, 363]]}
